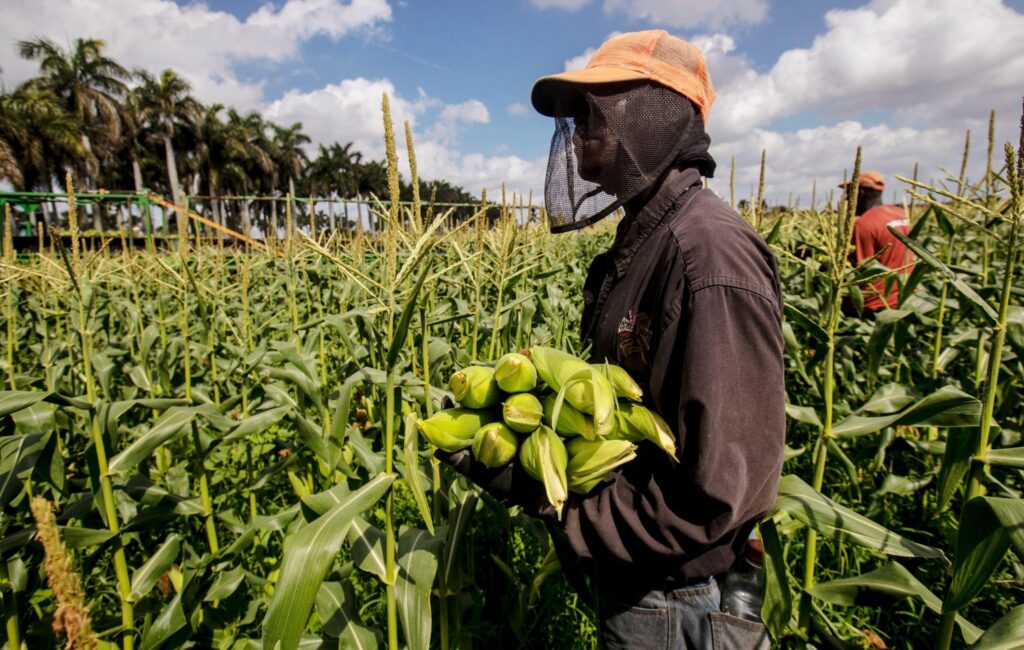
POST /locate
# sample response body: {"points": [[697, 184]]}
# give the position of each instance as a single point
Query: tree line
{"points": [[116, 128]]}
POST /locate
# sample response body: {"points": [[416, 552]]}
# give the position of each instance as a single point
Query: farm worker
{"points": [[872, 239], [687, 299]]}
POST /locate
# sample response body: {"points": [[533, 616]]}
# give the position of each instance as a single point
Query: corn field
{"points": [[216, 448]]}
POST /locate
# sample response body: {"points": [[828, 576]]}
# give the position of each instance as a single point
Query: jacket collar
{"points": [[633, 232]]}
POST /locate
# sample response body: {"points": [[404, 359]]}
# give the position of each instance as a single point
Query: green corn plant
{"points": [[976, 558], [80, 283], [837, 243]]}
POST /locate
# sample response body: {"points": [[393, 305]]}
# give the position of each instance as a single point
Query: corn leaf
{"points": [[12, 401], [1005, 634], [946, 407], [1009, 457], [225, 584], [311, 436], [802, 319], [308, 554], [257, 423], [888, 399], [777, 608], [460, 512], [314, 505], [166, 427], [891, 581], [148, 493], [334, 604], [988, 527], [309, 387], [170, 620], [800, 501], [343, 409], [804, 414], [417, 563], [956, 461], [18, 454], [38, 418], [412, 471], [78, 537], [402, 330], [962, 287], [146, 576], [367, 543], [885, 326]]}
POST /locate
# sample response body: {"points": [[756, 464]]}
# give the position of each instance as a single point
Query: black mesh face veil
{"points": [[610, 146]]}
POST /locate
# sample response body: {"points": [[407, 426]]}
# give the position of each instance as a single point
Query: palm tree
{"points": [[221, 151], [135, 164], [167, 106], [14, 136], [334, 171], [288, 154], [257, 162], [373, 180], [87, 84], [36, 134]]}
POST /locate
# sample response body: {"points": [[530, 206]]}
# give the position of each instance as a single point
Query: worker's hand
{"points": [[510, 484]]}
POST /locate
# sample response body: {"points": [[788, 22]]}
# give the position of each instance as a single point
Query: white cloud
{"points": [[579, 61], [798, 159], [928, 62], [349, 111], [925, 69], [474, 171], [456, 117], [674, 13], [202, 44], [517, 109], [567, 5], [205, 46], [692, 13]]}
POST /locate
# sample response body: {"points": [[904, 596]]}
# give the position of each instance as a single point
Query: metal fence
{"points": [[137, 216]]}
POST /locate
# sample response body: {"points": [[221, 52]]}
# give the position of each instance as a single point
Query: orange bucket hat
{"points": [[871, 179], [653, 55]]}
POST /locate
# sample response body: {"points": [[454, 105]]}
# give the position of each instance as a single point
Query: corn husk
{"points": [[570, 421], [495, 445], [544, 457], [591, 460], [515, 373], [475, 387], [623, 385], [453, 429], [634, 423], [585, 388], [523, 412]]}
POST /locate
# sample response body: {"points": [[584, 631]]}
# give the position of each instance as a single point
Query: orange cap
{"points": [[870, 179], [653, 55]]}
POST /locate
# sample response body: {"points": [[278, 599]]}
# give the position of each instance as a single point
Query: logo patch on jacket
{"points": [[634, 340]]}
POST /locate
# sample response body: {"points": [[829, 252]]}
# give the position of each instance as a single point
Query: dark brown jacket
{"points": [[687, 299]]}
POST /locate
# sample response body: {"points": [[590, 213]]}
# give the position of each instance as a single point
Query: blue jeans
{"points": [[688, 618]]}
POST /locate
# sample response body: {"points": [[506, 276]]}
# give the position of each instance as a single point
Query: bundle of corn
{"points": [[527, 403]]}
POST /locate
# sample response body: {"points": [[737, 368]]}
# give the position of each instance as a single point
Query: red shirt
{"points": [[871, 235]]}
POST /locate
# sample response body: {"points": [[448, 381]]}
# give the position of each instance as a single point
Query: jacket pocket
{"points": [[730, 632]]}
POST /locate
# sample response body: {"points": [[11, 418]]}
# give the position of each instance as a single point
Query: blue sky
{"points": [[805, 79], [493, 51]]}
